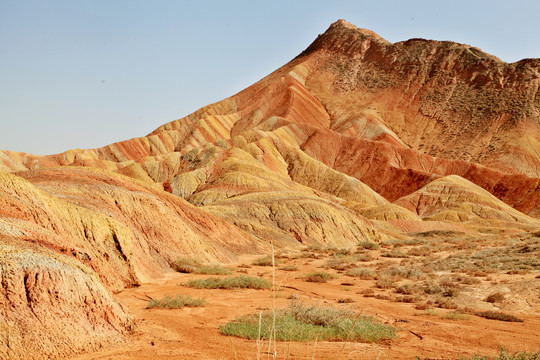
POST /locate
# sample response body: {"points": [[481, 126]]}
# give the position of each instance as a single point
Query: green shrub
{"points": [[263, 261], [406, 272], [186, 265], [318, 277], [455, 315], [338, 262], [361, 273], [309, 323], [177, 302], [235, 282], [189, 265], [288, 268], [432, 312], [385, 281], [212, 270]]}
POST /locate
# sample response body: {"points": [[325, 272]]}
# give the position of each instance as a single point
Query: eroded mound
{"points": [[51, 306]]}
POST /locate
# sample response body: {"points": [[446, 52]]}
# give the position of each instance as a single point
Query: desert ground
{"points": [[393, 290]]}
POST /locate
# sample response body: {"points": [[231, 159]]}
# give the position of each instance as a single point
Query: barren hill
{"points": [[356, 139]]}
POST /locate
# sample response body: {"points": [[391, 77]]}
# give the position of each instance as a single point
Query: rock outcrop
{"points": [[51, 305]]}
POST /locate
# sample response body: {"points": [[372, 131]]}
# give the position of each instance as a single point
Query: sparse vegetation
{"points": [[445, 303], [339, 251], [213, 270], [506, 355], [498, 315], [406, 289], [368, 245], [432, 312], [263, 261], [363, 258], [361, 273], [186, 265], [319, 277], [235, 282], [386, 281], [495, 297], [403, 242], [189, 265], [302, 322], [177, 302], [395, 253], [414, 271], [289, 268], [455, 315]]}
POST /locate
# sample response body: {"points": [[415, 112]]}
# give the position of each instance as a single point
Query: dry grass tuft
{"points": [[495, 297], [235, 282], [301, 322], [177, 302], [498, 315], [318, 277]]}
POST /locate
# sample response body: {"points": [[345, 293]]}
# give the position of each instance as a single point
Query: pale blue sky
{"points": [[86, 73]]}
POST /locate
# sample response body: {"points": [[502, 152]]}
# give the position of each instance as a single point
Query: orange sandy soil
{"points": [[192, 333]]}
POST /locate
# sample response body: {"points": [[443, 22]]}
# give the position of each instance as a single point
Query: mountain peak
{"points": [[344, 36], [344, 26]]}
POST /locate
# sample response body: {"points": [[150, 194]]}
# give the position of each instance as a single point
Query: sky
{"points": [[87, 73]]}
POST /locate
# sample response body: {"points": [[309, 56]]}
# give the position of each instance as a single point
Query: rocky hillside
{"points": [[356, 139]]}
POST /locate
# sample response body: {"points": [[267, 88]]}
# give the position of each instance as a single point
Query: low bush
{"points": [[455, 315], [361, 273], [175, 303], [339, 251], [235, 282], [368, 245], [302, 322], [264, 261], [385, 281], [498, 315], [362, 258], [212, 270], [405, 272], [495, 297], [395, 253], [407, 289], [339, 262], [319, 277], [189, 265], [445, 303], [186, 265], [288, 268]]}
